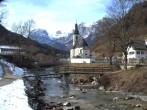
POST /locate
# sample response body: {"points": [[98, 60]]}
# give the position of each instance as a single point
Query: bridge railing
{"points": [[71, 69]]}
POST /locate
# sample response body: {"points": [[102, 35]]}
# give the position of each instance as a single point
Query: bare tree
{"points": [[18, 28], [2, 0], [106, 28], [28, 27], [3, 12], [24, 28], [118, 11]]}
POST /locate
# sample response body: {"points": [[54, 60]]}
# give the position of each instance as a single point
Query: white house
{"points": [[80, 52], [9, 50], [137, 50]]}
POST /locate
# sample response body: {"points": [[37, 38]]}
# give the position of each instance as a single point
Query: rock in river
{"points": [[67, 104]]}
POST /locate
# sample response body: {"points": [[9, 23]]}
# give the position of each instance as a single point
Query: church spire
{"points": [[76, 31]]}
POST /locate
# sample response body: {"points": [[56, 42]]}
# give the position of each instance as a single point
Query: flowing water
{"points": [[87, 99]]}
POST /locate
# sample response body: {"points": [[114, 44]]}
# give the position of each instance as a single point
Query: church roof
{"points": [[80, 43], [76, 31]]}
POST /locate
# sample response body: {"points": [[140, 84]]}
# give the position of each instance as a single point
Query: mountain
{"points": [[42, 36], [62, 40], [59, 40], [88, 31], [34, 51]]}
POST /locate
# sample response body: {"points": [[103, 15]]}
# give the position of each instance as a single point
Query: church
{"points": [[80, 52]]}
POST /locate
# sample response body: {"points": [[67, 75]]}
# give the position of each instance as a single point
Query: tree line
{"points": [[119, 27]]}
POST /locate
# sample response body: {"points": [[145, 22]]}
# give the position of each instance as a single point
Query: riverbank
{"points": [[131, 83], [89, 98], [53, 95], [134, 81], [12, 89], [13, 97], [8, 76]]}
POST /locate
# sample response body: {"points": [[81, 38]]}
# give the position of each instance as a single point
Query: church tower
{"points": [[75, 35], [80, 50]]}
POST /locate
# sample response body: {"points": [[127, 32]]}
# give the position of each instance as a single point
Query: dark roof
{"points": [[138, 45], [80, 43], [76, 31]]}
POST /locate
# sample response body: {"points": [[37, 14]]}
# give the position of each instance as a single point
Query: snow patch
{"points": [[15, 70], [55, 35], [13, 97], [1, 72], [9, 47], [89, 24]]}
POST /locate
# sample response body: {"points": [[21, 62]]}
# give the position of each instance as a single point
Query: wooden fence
{"points": [[82, 70]]}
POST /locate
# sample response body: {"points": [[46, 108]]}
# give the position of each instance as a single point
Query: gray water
{"points": [[88, 99]]}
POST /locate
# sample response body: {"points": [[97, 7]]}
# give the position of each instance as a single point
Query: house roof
{"points": [[138, 45], [80, 43], [8, 47]]}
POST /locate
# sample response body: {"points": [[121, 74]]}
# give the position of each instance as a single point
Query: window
{"points": [[81, 51], [131, 53], [138, 52], [142, 52]]}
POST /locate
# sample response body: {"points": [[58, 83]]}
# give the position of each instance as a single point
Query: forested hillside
{"points": [[41, 53], [110, 30]]}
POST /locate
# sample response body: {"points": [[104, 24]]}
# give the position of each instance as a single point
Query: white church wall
{"points": [[78, 51], [71, 53], [86, 53], [82, 60]]}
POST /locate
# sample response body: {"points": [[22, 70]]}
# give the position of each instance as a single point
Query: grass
{"points": [[132, 80]]}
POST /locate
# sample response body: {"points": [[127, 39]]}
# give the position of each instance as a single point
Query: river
{"points": [[87, 99]]}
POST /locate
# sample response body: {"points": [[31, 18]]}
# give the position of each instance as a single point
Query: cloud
{"points": [[35, 3], [60, 13]]}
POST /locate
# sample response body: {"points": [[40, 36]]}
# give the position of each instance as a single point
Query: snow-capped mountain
{"points": [[86, 30], [42, 36], [63, 41]]}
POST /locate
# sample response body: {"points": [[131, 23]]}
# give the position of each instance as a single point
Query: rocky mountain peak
{"points": [[58, 32], [64, 40]]}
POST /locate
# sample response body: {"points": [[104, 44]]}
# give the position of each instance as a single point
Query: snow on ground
{"points": [[1, 72], [13, 97], [15, 70]]}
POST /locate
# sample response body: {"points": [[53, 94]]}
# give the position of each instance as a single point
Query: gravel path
{"points": [[8, 77]]}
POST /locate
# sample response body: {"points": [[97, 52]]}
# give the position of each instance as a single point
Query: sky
{"points": [[54, 15]]}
